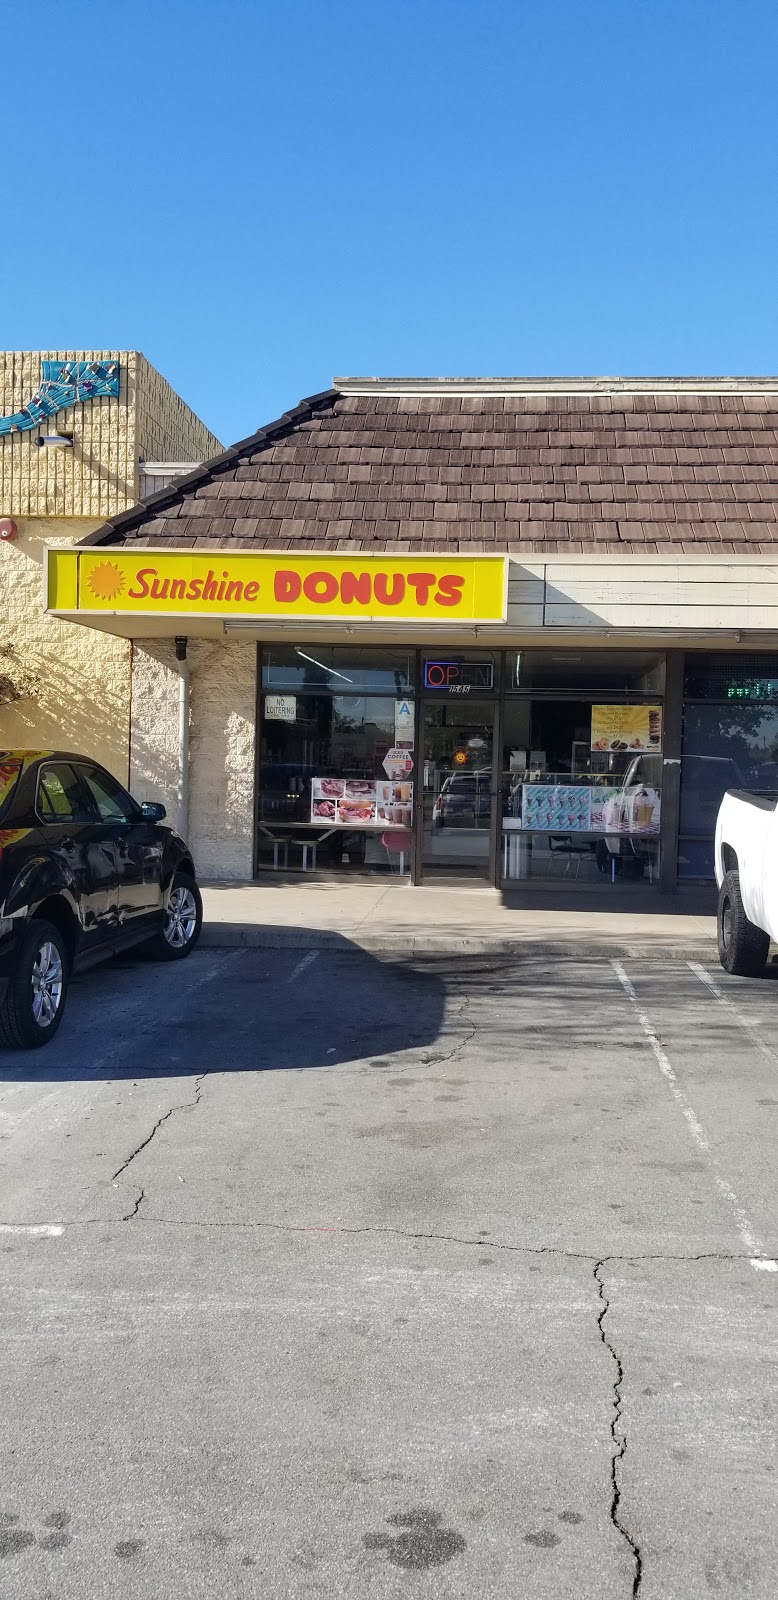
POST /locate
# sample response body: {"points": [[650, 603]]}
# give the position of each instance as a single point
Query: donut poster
{"points": [[623, 728], [361, 803]]}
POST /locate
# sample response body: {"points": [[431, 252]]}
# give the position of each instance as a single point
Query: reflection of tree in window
{"points": [[724, 747]]}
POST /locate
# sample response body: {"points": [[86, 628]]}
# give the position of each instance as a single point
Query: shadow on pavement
{"points": [[629, 899], [237, 1010]]}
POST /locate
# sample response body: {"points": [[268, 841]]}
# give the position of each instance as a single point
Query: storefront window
{"points": [[336, 767], [628, 672], [337, 667], [730, 741], [581, 790], [730, 745]]}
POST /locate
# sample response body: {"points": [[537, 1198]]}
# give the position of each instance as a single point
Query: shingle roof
{"points": [[530, 473]]}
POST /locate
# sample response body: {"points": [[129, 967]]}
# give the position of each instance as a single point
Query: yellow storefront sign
{"points": [[221, 584]]}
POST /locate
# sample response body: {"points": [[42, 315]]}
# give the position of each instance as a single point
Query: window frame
{"points": [[64, 822], [81, 768]]}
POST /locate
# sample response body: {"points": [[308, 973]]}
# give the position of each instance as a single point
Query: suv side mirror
{"points": [[152, 811]]}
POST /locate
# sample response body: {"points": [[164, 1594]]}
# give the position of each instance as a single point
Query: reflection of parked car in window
{"points": [[633, 816], [464, 800], [704, 780]]}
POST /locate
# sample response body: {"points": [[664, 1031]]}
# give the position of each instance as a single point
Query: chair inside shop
{"points": [[397, 843]]}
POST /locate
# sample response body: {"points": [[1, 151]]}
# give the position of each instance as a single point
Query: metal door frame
{"points": [[491, 874]]}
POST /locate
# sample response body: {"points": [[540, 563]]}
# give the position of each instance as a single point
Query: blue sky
{"points": [[260, 195]]}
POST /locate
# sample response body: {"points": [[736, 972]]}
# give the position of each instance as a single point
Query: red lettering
{"points": [[159, 590], [234, 590], [195, 589], [320, 587], [251, 590], [178, 588], [355, 586], [384, 595], [422, 583], [452, 673], [140, 577], [449, 591], [286, 586], [435, 675], [209, 587]]}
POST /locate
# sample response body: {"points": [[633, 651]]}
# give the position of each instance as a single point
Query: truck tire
{"points": [[742, 946], [34, 1002]]}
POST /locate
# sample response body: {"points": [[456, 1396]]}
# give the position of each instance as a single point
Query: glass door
{"points": [[457, 753]]}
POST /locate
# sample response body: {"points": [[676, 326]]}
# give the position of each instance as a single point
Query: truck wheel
{"points": [[742, 946], [34, 1001]]}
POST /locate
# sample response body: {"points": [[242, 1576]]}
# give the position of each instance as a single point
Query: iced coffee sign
{"points": [[361, 803], [624, 728]]}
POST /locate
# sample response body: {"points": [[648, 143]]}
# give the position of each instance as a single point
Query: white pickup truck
{"points": [[747, 876]]}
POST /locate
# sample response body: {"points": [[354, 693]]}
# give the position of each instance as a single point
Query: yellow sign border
{"points": [[63, 584]]}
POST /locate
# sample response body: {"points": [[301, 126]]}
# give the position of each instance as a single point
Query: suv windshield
{"points": [[10, 768]]}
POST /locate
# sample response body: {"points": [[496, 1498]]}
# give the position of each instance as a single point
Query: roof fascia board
{"points": [[402, 387]]}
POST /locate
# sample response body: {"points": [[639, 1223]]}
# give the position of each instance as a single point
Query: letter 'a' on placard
{"points": [[403, 723], [186, 583]]}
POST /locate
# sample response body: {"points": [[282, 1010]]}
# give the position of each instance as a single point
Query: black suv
{"points": [[84, 871]]}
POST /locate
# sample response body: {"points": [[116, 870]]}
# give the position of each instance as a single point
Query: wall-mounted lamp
{"points": [[54, 441]]}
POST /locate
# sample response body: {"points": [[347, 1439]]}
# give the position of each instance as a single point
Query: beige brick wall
{"points": [[60, 684], [99, 476], [166, 429], [222, 718]]}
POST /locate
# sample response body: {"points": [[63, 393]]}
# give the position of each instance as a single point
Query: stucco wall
{"points": [[222, 715], [73, 684]]}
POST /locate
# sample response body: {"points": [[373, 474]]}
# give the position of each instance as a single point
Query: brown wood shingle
{"points": [[528, 473]]}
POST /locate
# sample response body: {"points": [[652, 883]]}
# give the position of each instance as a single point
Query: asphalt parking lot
{"points": [[326, 1274]]}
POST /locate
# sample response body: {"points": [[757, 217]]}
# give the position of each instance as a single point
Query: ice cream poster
{"points": [[361, 803], [626, 728], [555, 808]]}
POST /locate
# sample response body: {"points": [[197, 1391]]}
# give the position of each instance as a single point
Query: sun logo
{"points": [[105, 581]]}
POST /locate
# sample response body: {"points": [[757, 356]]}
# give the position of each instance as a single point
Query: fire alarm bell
{"points": [[8, 528]]}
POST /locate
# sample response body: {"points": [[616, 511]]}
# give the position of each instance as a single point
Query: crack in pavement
{"points": [[464, 1038], [482, 1242], [618, 1435], [130, 1215], [188, 1105]]}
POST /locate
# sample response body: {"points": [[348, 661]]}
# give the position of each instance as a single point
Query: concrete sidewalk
{"points": [[396, 919]]}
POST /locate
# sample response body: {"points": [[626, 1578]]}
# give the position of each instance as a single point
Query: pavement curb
{"points": [[248, 937]]}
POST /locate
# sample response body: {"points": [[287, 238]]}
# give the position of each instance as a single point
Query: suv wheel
{"points": [[742, 946], [180, 930], [35, 998]]}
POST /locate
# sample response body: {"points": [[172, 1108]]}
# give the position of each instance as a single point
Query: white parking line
{"points": [[747, 1233], [749, 1027], [301, 965], [51, 1230]]}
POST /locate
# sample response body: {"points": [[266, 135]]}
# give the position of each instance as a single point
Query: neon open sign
{"points": [[459, 677]]}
